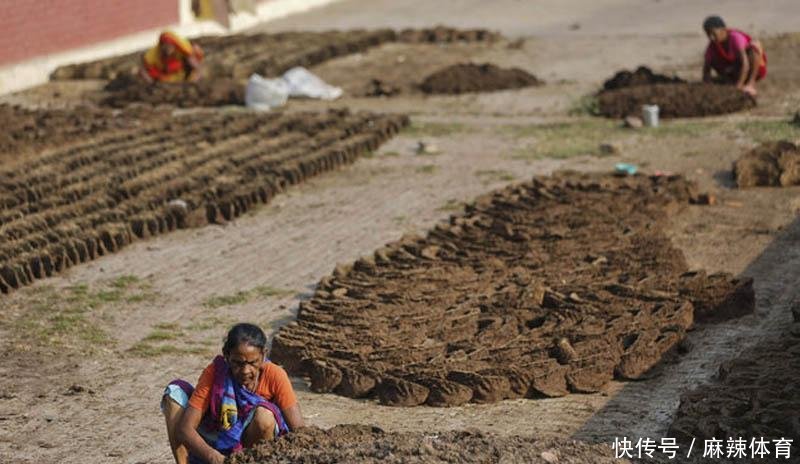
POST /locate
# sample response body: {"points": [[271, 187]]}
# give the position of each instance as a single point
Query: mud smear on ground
{"points": [[238, 56], [641, 76], [364, 444], [27, 130], [470, 77], [71, 205], [770, 164], [549, 287], [756, 395], [674, 100], [126, 89]]}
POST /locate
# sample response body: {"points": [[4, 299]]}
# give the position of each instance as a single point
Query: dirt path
{"points": [[190, 285]]}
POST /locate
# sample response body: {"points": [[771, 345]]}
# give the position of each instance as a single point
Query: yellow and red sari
{"points": [[172, 67]]}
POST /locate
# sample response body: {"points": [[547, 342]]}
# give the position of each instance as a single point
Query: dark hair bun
{"points": [[244, 333]]}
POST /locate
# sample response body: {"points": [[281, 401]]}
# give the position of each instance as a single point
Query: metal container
{"points": [[650, 115]]}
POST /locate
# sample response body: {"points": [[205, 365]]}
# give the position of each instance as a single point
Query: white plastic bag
{"points": [[264, 94], [304, 84]]}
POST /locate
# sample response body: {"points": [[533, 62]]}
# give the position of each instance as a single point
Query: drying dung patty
{"points": [[552, 286]]}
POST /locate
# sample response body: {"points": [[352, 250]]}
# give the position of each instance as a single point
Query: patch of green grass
{"points": [[219, 301], [451, 205], [584, 106], [148, 350], [433, 129], [138, 298], [690, 129], [769, 131], [207, 323], [159, 335], [562, 140], [243, 296], [264, 291], [125, 281], [495, 174], [70, 317], [391, 154], [584, 136], [167, 326], [426, 169]]}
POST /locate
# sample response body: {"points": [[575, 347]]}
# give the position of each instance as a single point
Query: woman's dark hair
{"points": [[248, 334], [713, 22]]}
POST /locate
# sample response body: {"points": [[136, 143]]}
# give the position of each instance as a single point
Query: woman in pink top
{"points": [[736, 57]]}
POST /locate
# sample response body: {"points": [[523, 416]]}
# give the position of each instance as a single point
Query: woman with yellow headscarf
{"points": [[173, 59]]}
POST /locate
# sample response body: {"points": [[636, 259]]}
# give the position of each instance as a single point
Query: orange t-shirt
{"points": [[273, 386]]}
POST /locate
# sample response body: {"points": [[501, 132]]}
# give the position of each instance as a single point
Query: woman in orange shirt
{"points": [[240, 399]]}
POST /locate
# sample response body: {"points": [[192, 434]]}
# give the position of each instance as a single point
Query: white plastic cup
{"points": [[650, 115]]}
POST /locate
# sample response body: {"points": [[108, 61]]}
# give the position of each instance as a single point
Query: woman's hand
{"points": [[187, 433], [218, 459]]}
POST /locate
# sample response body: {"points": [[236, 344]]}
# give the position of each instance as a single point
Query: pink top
{"points": [[722, 56]]}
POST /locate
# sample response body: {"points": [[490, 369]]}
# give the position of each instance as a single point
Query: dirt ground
{"points": [[81, 377]]}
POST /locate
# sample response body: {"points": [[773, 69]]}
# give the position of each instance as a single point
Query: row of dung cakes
{"points": [[239, 56], [69, 205]]}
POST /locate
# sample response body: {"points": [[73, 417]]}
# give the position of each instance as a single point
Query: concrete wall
{"points": [[32, 28]]}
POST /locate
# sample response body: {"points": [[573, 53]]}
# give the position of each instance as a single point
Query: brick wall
{"points": [[30, 28]]}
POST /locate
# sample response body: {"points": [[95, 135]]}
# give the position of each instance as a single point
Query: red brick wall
{"points": [[30, 28]]}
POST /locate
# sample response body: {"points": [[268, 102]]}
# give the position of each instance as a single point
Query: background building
{"points": [[36, 36]]}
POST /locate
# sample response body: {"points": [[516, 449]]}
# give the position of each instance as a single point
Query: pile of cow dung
{"points": [[769, 164], [553, 286], [360, 444], [127, 88], [641, 76], [674, 100], [471, 77]]}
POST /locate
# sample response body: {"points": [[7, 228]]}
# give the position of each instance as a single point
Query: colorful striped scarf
{"points": [[230, 406]]}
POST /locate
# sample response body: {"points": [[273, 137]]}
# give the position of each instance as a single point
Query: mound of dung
{"points": [[126, 89], [470, 77], [641, 76], [553, 286], [755, 395], [768, 165], [364, 444], [674, 100]]}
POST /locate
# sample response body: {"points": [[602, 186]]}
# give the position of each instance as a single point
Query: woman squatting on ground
{"points": [[240, 399]]}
